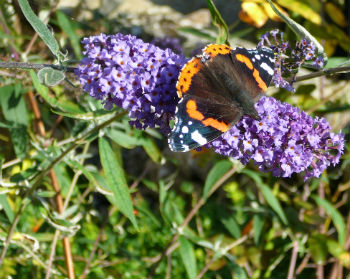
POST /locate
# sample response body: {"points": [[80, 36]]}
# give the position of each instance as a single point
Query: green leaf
{"points": [[337, 61], [268, 195], [124, 139], [188, 257], [85, 172], [15, 112], [6, 206], [196, 32], [219, 169], [334, 247], [50, 77], [218, 21], [152, 150], [300, 31], [39, 27], [335, 215], [116, 179], [60, 103], [67, 27], [258, 223], [232, 226], [318, 247]]}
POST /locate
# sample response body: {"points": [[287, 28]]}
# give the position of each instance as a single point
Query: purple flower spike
{"points": [[288, 59], [134, 75], [285, 141]]}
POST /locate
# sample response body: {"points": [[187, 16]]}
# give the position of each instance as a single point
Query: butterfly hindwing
{"points": [[192, 129]]}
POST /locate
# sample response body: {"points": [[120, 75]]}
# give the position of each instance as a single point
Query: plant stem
{"points": [[25, 65], [324, 72]]}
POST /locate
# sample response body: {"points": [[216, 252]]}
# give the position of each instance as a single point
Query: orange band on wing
{"points": [[259, 80], [191, 68], [214, 49], [191, 108], [245, 60], [218, 125]]}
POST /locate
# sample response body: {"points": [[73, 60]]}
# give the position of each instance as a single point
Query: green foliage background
{"points": [[132, 208]]}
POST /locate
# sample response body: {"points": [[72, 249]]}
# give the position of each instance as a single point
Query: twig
{"points": [[52, 254], [206, 267], [293, 259], [188, 219], [336, 70], [303, 264], [25, 65], [36, 179]]}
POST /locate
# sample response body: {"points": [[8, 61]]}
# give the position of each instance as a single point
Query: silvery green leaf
{"points": [[50, 77]]}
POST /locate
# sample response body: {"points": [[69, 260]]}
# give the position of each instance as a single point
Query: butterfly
{"points": [[216, 89]]}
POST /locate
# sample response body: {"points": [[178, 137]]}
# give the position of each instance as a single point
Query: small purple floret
{"points": [[288, 58]]}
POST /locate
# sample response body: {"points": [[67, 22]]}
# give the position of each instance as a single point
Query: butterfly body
{"points": [[216, 89]]}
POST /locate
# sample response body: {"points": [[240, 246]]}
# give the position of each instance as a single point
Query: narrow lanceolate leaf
{"points": [[116, 179], [14, 110], [219, 169], [188, 257], [268, 195], [335, 215], [39, 27], [300, 31], [258, 223], [218, 21], [152, 150], [67, 27]]}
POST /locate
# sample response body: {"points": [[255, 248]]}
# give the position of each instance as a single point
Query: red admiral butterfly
{"points": [[216, 89]]}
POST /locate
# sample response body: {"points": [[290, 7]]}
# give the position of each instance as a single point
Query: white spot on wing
{"points": [[257, 56], [184, 129], [267, 68], [185, 148], [197, 137]]}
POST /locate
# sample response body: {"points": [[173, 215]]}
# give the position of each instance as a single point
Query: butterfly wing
{"points": [[216, 88]]}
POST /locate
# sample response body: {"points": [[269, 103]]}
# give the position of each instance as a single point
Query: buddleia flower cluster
{"points": [[141, 78], [284, 141], [289, 59]]}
